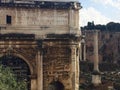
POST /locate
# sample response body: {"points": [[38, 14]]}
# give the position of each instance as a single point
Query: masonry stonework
{"points": [[46, 36]]}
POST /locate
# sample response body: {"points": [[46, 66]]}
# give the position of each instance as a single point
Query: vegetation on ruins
{"points": [[110, 73], [111, 26], [8, 81]]}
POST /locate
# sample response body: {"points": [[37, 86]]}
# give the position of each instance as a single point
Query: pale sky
{"points": [[99, 11]]}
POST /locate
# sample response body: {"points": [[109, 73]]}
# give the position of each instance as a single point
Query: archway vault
{"points": [[19, 68], [56, 85], [27, 51], [23, 57]]}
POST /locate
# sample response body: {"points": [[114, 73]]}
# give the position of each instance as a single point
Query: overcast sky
{"points": [[99, 11]]}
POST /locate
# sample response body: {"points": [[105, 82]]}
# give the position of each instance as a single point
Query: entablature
{"points": [[43, 4]]}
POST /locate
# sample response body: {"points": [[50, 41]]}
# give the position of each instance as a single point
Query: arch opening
{"points": [[18, 66], [55, 85]]}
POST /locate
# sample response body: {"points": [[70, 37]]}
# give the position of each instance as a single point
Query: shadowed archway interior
{"points": [[18, 66], [55, 85]]}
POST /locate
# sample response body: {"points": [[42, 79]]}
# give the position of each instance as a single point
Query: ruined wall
{"points": [[109, 43]]}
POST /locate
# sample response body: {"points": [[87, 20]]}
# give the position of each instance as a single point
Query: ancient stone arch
{"points": [[18, 66], [56, 85], [26, 50], [23, 58], [46, 35]]}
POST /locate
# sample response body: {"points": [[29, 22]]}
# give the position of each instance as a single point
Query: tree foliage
{"points": [[111, 26], [8, 81]]}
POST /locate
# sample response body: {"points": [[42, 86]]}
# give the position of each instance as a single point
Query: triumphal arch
{"points": [[40, 42]]}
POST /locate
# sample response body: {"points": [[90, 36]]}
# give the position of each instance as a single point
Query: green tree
{"points": [[8, 81]]}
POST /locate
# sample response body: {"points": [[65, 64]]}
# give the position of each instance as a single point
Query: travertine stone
{"points": [[47, 38], [96, 77]]}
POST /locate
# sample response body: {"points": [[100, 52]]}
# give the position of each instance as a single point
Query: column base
{"points": [[96, 78]]}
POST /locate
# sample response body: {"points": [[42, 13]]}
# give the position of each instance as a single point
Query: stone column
{"points": [[33, 82], [84, 52], [96, 58], [96, 77], [75, 68], [39, 71], [83, 48]]}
